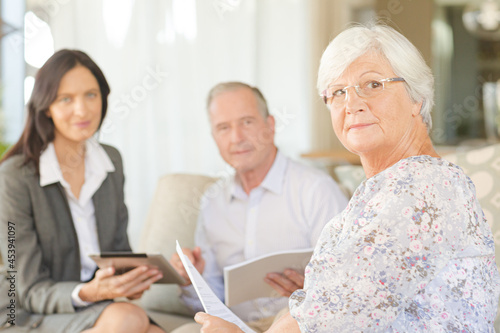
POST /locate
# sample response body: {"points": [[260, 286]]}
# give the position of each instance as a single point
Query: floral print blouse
{"points": [[412, 252]]}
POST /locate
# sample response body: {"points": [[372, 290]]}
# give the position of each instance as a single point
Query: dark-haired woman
{"points": [[61, 198]]}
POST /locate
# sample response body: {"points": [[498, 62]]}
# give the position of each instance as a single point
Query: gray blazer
{"points": [[47, 259]]}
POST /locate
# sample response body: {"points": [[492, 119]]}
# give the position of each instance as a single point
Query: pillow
{"points": [[349, 177]]}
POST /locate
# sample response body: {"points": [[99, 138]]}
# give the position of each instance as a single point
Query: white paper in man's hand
{"points": [[211, 303]]}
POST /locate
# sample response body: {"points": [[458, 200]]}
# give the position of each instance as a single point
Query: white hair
{"points": [[404, 58], [235, 85]]}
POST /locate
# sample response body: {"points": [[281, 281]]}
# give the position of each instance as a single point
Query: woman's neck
{"points": [[420, 144], [69, 153], [71, 158]]}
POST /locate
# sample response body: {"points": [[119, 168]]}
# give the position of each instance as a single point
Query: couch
{"points": [[175, 207]]}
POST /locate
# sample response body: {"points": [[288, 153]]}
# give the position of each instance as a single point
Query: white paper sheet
{"points": [[211, 303]]}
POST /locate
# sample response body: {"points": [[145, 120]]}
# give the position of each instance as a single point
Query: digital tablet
{"points": [[126, 261]]}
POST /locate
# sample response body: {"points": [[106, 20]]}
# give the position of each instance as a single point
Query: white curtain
{"points": [[161, 57]]}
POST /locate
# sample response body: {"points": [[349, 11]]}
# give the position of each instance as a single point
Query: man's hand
{"points": [[106, 285], [194, 256], [215, 324], [286, 283]]}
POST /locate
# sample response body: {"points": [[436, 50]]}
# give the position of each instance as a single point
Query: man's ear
{"points": [[271, 122]]}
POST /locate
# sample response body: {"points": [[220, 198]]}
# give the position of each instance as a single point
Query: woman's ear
{"points": [[47, 113], [417, 107]]}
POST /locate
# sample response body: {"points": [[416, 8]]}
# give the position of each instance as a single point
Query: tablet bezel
{"points": [[125, 261]]}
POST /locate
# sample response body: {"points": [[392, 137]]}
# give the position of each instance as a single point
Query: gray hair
{"points": [[234, 85], [402, 55]]}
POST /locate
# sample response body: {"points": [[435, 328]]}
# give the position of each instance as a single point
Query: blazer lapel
{"points": [[60, 207], [67, 240], [102, 199]]}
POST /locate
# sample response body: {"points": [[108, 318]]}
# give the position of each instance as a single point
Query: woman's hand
{"points": [[215, 324], [106, 285]]}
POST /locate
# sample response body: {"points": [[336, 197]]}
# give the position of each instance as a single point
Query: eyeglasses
{"points": [[366, 89]]}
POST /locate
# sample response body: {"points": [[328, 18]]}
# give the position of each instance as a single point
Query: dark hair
{"points": [[39, 129]]}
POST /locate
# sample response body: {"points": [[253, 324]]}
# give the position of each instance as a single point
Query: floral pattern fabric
{"points": [[412, 252]]}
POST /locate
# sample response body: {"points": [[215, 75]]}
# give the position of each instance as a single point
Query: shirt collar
{"points": [[50, 172], [274, 178], [273, 181], [96, 159], [96, 162]]}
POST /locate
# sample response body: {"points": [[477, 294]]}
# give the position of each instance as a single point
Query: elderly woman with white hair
{"points": [[412, 252]]}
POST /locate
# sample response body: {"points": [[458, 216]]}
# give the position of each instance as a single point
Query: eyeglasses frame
{"points": [[325, 97]]}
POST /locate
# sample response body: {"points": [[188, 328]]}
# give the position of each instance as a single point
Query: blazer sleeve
{"points": [[35, 290]]}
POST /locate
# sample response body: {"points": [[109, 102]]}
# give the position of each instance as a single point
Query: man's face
{"points": [[244, 137]]}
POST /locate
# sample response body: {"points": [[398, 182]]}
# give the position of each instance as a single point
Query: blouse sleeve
{"points": [[397, 234]]}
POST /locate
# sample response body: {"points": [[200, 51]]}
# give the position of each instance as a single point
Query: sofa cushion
{"points": [[169, 322], [172, 216]]}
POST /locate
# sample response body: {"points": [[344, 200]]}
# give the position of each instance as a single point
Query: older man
{"points": [[270, 204]]}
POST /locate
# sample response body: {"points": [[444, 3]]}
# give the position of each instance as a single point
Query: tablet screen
{"points": [[126, 261]]}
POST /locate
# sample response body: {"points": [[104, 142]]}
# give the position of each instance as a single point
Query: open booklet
{"points": [[245, 281], [211, 303]]}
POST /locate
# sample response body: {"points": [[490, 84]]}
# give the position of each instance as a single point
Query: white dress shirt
{"points": [[97, 166], [286, 211]]}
